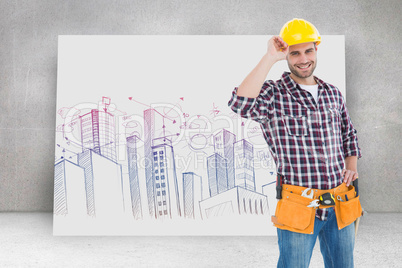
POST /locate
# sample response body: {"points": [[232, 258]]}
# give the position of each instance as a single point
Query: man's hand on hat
{"points": [[277, 48]]}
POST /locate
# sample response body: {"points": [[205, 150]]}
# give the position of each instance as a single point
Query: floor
{"points": [[26, 240]]}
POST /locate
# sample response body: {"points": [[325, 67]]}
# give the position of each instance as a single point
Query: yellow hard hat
{"points": [[299, 31]]}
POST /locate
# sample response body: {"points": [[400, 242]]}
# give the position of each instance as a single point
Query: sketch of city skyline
{"points": [[230, 173]]}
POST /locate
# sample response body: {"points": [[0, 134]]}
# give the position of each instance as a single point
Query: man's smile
{"points": [[304, 66]]}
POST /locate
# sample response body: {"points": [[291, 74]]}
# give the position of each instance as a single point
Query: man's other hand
{"points": [[349, 176]]}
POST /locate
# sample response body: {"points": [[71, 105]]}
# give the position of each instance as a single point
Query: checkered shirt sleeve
{"points": [[349, 134], [258, 109]]}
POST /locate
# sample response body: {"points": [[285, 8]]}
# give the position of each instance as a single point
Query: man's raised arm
{"points": [[251, 86]]}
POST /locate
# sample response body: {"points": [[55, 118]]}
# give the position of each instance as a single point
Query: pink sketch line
{"points": [[214, 110], [175, 106], [149, 106], [65, 110]]}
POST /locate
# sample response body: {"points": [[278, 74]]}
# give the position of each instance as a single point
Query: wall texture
{"points": [[28, 67]]}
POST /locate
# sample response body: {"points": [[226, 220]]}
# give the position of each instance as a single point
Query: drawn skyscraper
{"points": [[192, 195], [69, 189], [149, 132], [132, 158], [223, 145], [166, 195], [244, 161], [103, 184], [98, 133], [217, 174]]}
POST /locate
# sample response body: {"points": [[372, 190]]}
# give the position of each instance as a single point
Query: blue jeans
{"points": [[336, 245]]}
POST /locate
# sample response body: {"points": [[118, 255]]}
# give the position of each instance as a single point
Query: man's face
{"points": [[302, 59]]}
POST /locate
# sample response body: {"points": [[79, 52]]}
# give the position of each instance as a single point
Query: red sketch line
{"points": [[131, 98], [182, 98]]}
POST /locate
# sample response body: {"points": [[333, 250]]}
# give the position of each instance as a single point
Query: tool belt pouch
{"points": [[348, 211], [292, 214]]}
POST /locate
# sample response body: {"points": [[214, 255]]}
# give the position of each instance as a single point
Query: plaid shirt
{"points": [[308, 141]]}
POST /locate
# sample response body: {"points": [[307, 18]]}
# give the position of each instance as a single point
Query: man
{"points": [[314, 144]]}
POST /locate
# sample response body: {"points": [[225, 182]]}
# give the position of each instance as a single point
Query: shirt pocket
{"points": [[296, 124], [334, 117]]}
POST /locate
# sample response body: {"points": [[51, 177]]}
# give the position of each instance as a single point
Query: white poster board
{"points": [[147, 145]]}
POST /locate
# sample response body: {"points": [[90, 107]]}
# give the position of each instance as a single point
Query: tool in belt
{"points": [[297, 205]]}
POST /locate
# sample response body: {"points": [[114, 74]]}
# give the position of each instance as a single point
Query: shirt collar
{"points": [[291, 85], [298, 94]]}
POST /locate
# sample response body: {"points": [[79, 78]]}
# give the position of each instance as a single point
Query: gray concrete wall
{"points": [[28, 61]]}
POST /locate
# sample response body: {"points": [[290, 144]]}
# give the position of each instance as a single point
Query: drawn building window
{"points": [[161, 164], [165, 212], [160, 213], [156, 171], [163, 184], [161, 157], [155, 158], [162, 170], [164, 203], [161, 152], [157, 177], [158, 193], [158, 185], [162, 177], [160, 203], [155, 153], [163, 192], [251, 209]]}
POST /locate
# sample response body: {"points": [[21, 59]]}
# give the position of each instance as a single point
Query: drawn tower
{"points": [[244, 161], [217, 174], [132, 158], [149, 133], [192, 195], [166, 193], [98, 133], [223, 145]]}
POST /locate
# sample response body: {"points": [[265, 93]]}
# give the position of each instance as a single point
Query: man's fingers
{"points": [[343, 172], [282, 44], [349, 176]]}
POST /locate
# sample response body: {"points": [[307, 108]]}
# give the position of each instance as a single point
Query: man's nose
{"points": [[303, 58]]}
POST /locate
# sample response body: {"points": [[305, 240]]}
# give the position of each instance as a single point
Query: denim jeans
{"points": [[336, 245]]}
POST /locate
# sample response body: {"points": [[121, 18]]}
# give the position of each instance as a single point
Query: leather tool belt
{"points": [[293, 214]]}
